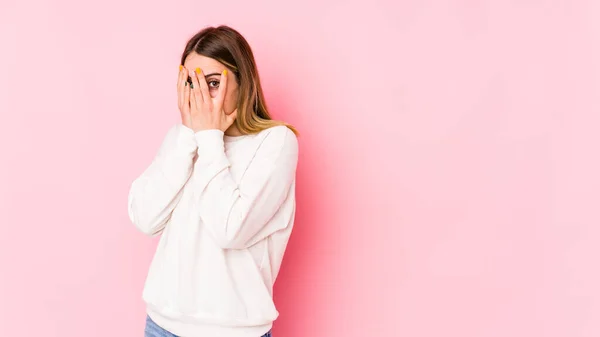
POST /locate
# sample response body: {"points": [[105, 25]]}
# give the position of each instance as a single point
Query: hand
{"points": [[183, 97], [207, 112]]}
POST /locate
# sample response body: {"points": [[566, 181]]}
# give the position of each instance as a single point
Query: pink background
{"points": [[448, 185]]}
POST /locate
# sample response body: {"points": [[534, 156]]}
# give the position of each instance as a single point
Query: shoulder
{"points": [[278, 144], [279, 137]]}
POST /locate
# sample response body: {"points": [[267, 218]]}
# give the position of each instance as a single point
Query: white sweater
{"points": [[225, 207]]}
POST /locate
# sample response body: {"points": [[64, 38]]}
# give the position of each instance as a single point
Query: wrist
{"points": [[210, 143], [187, 123], [200, 129], [198, 126]]}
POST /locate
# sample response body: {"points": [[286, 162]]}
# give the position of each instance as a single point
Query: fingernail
{"points": [[198, 71], [225, 72], [180, 67]]}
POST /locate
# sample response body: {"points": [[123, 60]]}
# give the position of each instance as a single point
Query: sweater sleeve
{"points": [[235, 214], [154, 194]]}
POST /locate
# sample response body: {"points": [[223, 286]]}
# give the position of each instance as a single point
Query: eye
{"points": [[213, 84]]}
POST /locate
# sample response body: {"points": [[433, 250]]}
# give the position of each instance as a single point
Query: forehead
{"points": [[194, 60]]}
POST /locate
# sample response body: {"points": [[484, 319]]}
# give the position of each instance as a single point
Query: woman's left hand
{"points": [[207, 112]]}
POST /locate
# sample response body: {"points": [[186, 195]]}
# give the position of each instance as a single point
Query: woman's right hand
{"points": [[183, 97]]}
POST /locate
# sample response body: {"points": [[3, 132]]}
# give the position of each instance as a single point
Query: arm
{"points": [[236, 215], [155, 193]]}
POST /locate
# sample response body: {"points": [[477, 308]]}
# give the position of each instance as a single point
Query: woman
{"points": [[221, 192]]}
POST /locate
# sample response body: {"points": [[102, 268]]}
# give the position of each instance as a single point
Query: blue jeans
{"points": [[153, 330]]}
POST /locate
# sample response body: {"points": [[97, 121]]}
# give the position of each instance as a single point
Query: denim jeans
{"points": [[153, 330]]}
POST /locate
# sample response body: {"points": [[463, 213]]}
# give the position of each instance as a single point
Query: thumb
{"points": [[231, 117]]}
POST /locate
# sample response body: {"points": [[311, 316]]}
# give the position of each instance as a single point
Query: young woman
{"points": [[221, 192]]}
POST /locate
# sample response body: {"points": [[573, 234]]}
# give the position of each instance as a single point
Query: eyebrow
{"points": [[211, 74]]}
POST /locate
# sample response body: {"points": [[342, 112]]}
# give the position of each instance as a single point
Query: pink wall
{"points": [[448, 183]]}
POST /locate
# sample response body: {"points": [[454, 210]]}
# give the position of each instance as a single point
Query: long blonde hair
{"points": [[229, 47]]}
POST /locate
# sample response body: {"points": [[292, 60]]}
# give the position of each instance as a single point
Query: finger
{"points": [[192, 99], [203, 85], [184, 76], [179, 75], [222, 91], [196, 87], [179, 87], [231, 117], [186, 94]]}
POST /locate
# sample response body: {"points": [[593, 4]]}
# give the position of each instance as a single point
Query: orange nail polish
{"points": [[180, 67], [198, 71], [225, 72]]}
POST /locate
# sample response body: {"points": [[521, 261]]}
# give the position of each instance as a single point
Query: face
{"points": [[212, 70]]}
